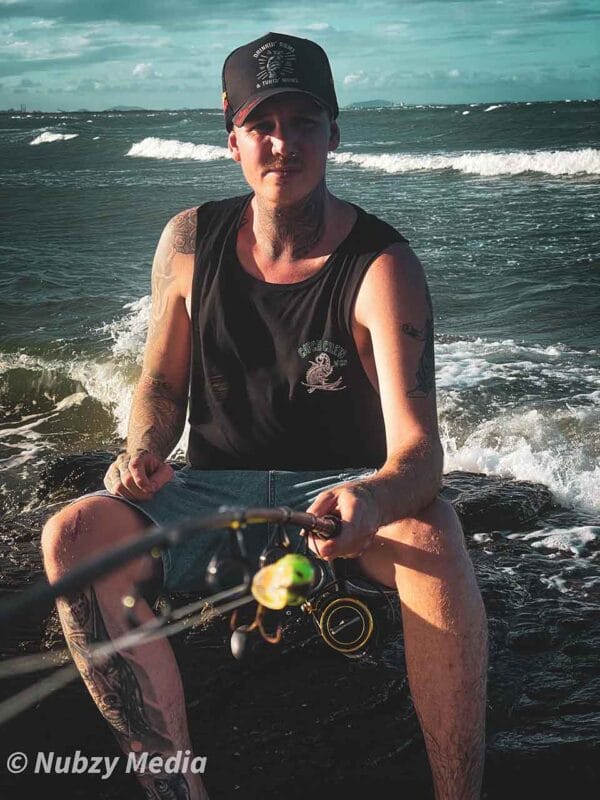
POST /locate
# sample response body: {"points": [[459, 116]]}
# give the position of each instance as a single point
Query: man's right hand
{"points": [[138, 475]]}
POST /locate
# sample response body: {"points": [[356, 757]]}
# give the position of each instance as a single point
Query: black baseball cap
{"points": [[273, 64]]}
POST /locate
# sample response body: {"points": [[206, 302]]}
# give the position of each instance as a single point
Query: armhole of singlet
{"points": [[201, 229], [358, 278], [204, 216]]}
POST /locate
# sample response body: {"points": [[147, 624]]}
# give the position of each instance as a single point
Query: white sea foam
{"points": [[575, 540], [49, 136], [550, 436], [465, 363], [128, 334], [551, 442], [525, 445], [550, 162], [173, 149]]}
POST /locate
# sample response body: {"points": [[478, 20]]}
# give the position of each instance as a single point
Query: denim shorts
{"points": [[197, 493]]}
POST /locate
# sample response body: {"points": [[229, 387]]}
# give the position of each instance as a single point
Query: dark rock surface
{"points": [[303, 721]]}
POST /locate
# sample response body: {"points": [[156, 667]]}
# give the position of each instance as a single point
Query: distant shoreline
{"points": [[358, 106]]}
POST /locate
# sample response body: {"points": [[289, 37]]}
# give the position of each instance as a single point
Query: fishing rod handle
{"points": [[327, 527]]}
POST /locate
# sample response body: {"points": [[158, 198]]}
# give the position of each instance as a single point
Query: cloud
{"points": [[193, 12], [144, 71], [321, 27], [89, 84], [394, 28], [43, 24], [357, 79]]}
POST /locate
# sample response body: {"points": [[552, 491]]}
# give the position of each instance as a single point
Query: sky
{"points": [[97, 54]]}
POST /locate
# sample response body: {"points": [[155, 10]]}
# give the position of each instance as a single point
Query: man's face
{"points": [[282, 147]]}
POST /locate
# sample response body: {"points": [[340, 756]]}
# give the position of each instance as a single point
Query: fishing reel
{"points": [[351, 614]]}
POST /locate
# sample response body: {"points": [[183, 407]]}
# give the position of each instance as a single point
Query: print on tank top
{"points": [[321, 374]]}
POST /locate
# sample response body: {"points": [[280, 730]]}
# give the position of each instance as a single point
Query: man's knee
{"points": [[431, 542], [85, 527], [436, 529]]}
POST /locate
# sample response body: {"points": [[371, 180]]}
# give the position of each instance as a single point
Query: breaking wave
{"points": [[550, 162], [173, 149], [49, 136]]}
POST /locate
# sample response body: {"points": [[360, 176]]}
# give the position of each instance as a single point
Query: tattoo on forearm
{"points": [[426, 369], [157, 420], [112, 682], [155, 381]]}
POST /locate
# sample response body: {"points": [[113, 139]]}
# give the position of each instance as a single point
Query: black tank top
{"points": [[276, 379]]}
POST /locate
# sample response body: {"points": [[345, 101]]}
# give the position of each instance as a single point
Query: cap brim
{"points": [[255, 100]]}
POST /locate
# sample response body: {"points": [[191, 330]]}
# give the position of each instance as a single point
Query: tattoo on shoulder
{"points": [[182, 240], [425, 377], [184, 232]]}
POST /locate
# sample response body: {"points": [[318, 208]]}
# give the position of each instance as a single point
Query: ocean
{"points": [[501, 203]]}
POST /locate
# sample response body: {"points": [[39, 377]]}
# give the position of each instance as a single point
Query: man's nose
{"points": [[284, 140]]}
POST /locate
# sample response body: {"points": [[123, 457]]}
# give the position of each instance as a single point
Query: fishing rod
{"points": [[154, 540], [294, 577], [348, 623], [158, 628]]}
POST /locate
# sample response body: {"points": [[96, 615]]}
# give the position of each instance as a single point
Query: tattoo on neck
{"points": [[295, 229]]}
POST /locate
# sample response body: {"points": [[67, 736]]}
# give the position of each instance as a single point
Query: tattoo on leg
{"points": [[174, 787], [112, 681], [426, 370]]}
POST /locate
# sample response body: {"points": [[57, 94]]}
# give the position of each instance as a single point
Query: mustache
{"points": [[290, 163]]}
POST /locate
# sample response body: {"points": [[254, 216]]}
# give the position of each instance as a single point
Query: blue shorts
{"points": [[197, 493]]}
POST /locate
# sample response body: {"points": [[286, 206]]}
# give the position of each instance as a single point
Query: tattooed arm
{"points": [[159, 404], [394, 304]]}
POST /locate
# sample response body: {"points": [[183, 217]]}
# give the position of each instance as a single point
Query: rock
{"points": [[495, 503], [302, 720]]}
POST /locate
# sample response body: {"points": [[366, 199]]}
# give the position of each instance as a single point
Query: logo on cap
{"points": [[276, 64]]}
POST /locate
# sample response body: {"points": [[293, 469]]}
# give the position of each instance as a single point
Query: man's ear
{"points": [[334, 136], [233, 145]]}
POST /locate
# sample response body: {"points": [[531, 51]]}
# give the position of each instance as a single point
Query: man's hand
{"points": [[137, 476], [355, 504]]}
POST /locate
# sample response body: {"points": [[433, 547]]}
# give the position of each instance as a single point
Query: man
{"points": [[303, 330]]}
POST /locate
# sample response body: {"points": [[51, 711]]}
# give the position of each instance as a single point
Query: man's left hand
{"points": [[355, 504]]}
